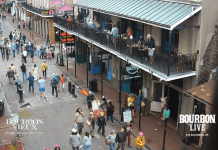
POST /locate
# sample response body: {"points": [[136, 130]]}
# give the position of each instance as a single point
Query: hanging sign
{"points": [[131, 69], [51, 12], [69, 37], [28, 14], [127, 115], [45, 12]]}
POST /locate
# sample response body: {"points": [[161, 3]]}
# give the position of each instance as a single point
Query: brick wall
{"points": [[210, 58]]}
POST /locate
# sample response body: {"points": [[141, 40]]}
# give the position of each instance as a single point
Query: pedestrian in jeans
{"points": [[13, 48], [87, 141], [75, 140], [91, 120], [59, 82], [63, 81], [89, 100], [10, 75], [38, 50], [101, 122], [111, 139], [44, 69], [54, 83], [31, 82], [3, 52], [32, 54], [7, 51], [24, 38], [110, 112], [41, 84], [19, 25], [128, 129], [48, 39], [41, 53], [17, 47], [120, 139], [79, 119], [23, 68]]}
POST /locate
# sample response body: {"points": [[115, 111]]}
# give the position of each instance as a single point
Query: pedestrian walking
{"points": [[18, 24], [111, 139], [34, 48], [24, 54], [54, 83], [17, 47], [47, 39], [35, 72], [79, 119], [7, 51], [130, 103], [59, 82], [10, 75], [10, 36], [31, 82], [13, 68], [38, 50], [120, 139], [75, 140], [42, 53], [41, 84], [44, 69], [23, 68], [21, 44], [128, 129], [3, 52], [110, 112], [95, 107], [14, 34], [101, 122], [87, 141], [89, 100], [140, 141], [13, 48], [24, 38], [23, 24], [18, 83], [104, 104], [91, 123], [63, 81], [32, 54]]}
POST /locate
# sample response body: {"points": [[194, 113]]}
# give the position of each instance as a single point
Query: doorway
{"points": [[174, 40]]}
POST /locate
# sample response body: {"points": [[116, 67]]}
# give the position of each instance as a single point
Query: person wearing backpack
{"points": [[63, 81], [54, 83], [31, 82]]}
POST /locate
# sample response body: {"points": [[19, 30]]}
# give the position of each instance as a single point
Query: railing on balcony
{"points": [[168, 64], [44, 12]]}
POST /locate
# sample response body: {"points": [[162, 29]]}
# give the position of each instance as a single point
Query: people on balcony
{"points": [[151, 47], [129, 32], [143, 43], [65, 15], [114, 33], [108, 32], [87, 19], [97, 25], [91, 24]]}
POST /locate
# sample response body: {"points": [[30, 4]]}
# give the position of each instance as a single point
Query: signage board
{"points": [[28, 14], [36, 18], [45, 12], [131, 69], [127, 115]]}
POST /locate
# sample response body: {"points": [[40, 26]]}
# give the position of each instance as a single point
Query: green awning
{"points": [[163, 14]]}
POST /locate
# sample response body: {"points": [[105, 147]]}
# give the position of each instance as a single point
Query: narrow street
{"points": [[57, 113]]}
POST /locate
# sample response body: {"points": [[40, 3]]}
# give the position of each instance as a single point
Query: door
{"points": [[174, 40], [157, 93], [109, 70]]}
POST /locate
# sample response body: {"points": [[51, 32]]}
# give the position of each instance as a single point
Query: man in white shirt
{"points": [[24, 55]]}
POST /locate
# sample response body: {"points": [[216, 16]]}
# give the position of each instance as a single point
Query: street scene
{"points": [[106, 75]]}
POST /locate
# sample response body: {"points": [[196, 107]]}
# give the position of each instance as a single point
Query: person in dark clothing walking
{"points": [[41, 53], [101, 122], [54, 83], [18, 83], [10, 36], [3, 52], [48, 39], [23, 68], [7, 51], [128, 129], [104, 104], [32, 54], [110, 112], [31, 82], [121, 139], [24, 38], [89, 100], [10, 75]]}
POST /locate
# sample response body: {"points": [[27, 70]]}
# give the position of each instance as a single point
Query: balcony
{"points": [[166, 67], [37, 11]]}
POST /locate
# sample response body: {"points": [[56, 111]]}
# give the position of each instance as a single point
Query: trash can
{"points": [[73, 89], [93, 86], [69, 86]]}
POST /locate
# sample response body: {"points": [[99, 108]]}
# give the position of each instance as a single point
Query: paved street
{"points": [[57, 113]]}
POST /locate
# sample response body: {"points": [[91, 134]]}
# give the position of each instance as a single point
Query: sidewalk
{"points": [[152, 127], [7, 132]]}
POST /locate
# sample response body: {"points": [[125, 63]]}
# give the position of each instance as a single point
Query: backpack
{"points": [[54, 82], [65, 79]]}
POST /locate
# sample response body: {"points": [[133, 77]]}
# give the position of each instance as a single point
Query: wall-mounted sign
{"points": [[28, 14], [69, 37], [51, 12], [45, 12], [131, 69], [36, 18]]}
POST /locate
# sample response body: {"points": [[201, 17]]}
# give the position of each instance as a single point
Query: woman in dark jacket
{"points": [[10, 36], [101, 123], [110, 112]]}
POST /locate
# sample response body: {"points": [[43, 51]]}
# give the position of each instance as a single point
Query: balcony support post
{"points": [[169, 54], [87, 67], [100, 27], [120, 34], [120, 84]]}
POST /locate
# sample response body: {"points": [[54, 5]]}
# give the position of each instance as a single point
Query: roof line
{"points": [[182, 2]]}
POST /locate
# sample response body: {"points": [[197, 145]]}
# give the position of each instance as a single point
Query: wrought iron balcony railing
{"points": [[39, 11], [167, 64]]}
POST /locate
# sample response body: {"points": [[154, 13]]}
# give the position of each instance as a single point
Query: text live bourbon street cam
{"points": [[106, 75]]}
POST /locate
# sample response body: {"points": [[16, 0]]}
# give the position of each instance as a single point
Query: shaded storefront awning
{"points": [[163, 14], [203, 93]]}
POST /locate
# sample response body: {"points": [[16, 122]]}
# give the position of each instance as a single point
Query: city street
{"points": [[57, 113]]}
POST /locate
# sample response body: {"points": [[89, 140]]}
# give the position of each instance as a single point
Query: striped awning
{"points": [[163, 14]]}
